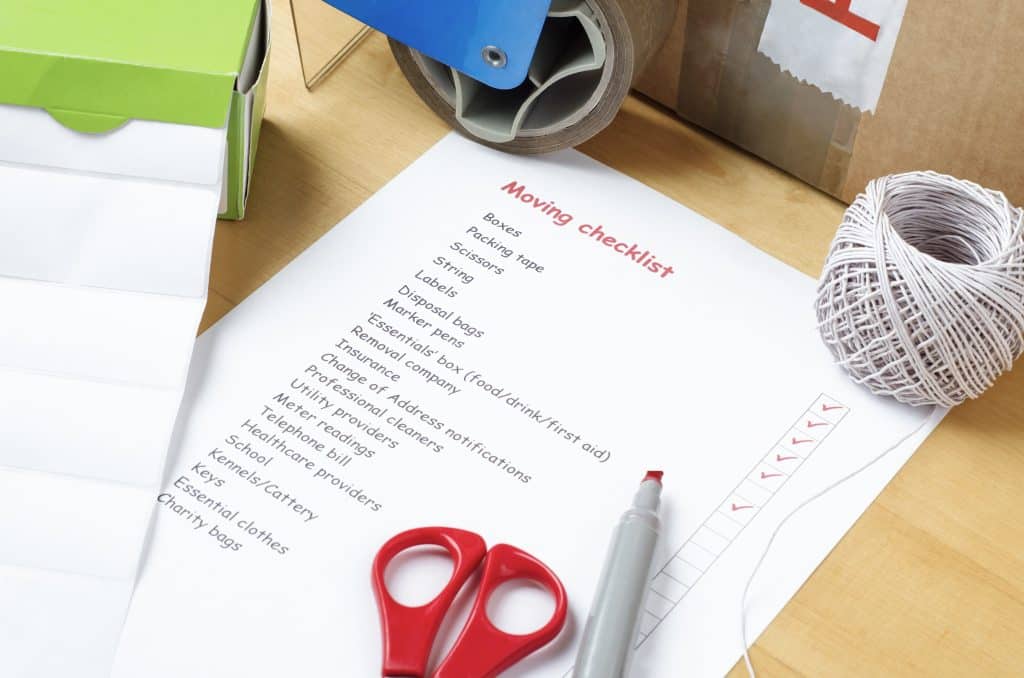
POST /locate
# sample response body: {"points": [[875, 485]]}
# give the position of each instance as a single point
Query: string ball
{"points": [[922, 294]]}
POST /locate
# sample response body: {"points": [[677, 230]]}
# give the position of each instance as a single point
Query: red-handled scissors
{"points": [[482, 650]]}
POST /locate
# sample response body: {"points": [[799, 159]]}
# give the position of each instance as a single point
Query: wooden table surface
{"points": [[929, 582]]}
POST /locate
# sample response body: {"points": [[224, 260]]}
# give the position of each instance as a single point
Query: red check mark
{"points": [[829, 408], [812, 424], [779, 457], [766, 476], [800, 441], [740, 508]]}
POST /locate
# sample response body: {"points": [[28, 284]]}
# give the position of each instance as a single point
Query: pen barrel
{"points": [[611, 630]]}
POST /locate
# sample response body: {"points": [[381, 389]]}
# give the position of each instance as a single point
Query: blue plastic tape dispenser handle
{"points": [[489, 40]]}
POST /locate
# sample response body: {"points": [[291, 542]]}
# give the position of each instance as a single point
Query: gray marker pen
{"points": [[611, 630]]}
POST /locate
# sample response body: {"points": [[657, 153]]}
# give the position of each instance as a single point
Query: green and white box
{"points": [[125, 128], [141, 88]]}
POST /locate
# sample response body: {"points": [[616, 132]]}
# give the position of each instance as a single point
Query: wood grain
{"points": [[930, 581]]}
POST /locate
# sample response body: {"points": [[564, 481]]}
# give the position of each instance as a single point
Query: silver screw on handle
{"points": [[494, 56]]}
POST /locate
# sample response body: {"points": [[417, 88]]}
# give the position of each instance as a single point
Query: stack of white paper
{"points": [[104, 259]]}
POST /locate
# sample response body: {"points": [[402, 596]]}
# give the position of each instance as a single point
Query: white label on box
{"points": [[64, 425], [99, 335], [103, 538], [138, 148], [843, 47], [105, 231]]}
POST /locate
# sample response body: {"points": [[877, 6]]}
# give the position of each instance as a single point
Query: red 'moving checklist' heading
{"points": [[595, 232]]}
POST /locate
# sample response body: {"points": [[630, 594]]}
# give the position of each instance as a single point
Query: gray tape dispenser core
{"points": [[511, 76], [566, 77], [588, 56]]}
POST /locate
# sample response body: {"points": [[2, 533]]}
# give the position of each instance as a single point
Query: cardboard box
{"points": [[169, 90], [951, 98]]}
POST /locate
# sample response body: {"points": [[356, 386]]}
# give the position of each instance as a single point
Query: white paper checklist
{"points": [[468, 357]]}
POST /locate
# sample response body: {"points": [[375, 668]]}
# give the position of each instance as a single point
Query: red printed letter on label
{"points": [[839, 10]]}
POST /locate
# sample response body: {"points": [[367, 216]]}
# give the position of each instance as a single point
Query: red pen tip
{"points": [[654, 475]]}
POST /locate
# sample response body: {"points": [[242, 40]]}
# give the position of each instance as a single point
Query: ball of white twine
{"points": [[922, 296]]}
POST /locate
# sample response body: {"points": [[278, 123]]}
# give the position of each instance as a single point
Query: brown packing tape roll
{"points": [[590, 54]]}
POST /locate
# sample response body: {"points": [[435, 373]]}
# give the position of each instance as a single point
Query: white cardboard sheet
{"points": [[104, 259]]}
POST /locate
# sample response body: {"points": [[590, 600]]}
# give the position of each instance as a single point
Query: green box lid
{"points": [[93, 64]]}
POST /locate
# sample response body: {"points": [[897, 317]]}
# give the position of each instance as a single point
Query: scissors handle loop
{"points": [[409, 632], [483, 650]]}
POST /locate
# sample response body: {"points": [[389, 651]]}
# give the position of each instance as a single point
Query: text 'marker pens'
{"points": [[611, 630]]}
